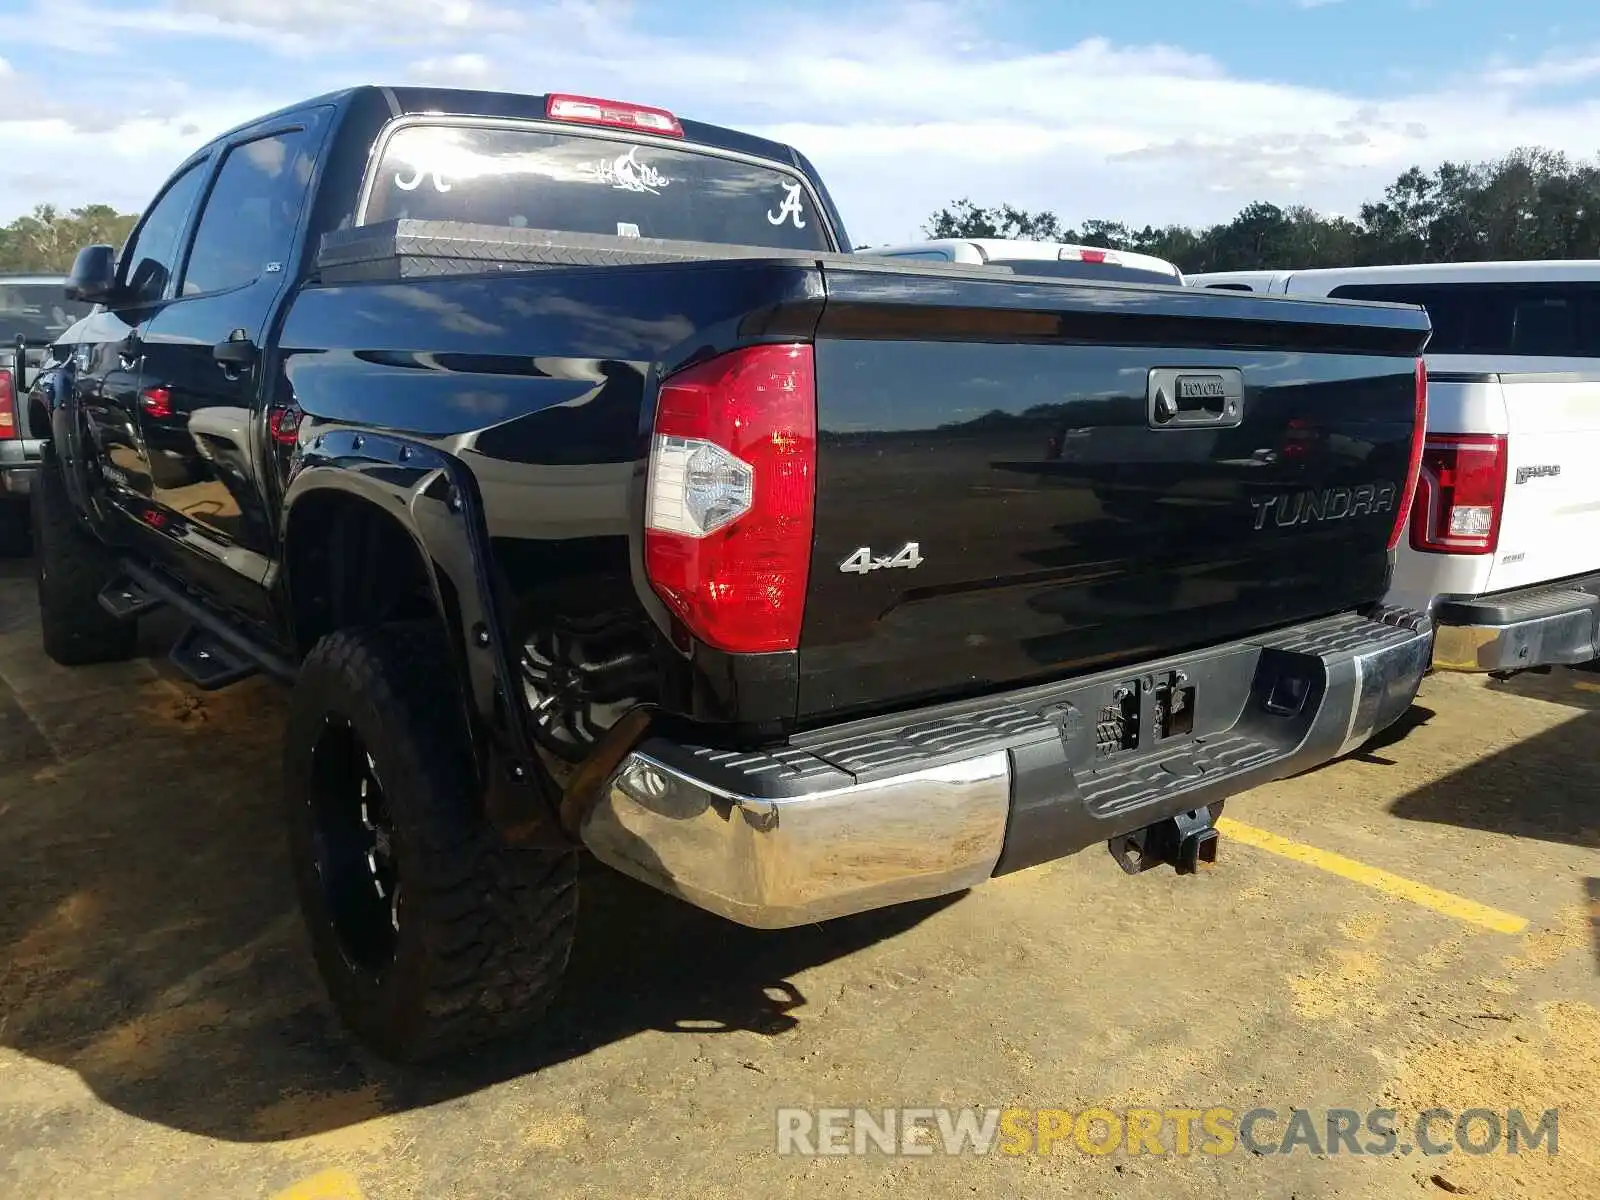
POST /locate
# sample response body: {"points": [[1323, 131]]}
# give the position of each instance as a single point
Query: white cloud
{"points": [[302, 28], [902, 108], [1550, 71], [311, 15], [454, 70]]}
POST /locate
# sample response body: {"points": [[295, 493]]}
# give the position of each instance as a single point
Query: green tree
{"points": [[48, 239], [1533, 203], [964, 219]]}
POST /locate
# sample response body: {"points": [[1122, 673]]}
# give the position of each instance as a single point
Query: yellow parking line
{"points": [[1374, 877], [1583, 685], [325, 1185]]}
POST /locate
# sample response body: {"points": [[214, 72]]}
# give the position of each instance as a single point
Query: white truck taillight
{"points": [[8, 406], [1087, 254], [1459, 494], [730, 493]]}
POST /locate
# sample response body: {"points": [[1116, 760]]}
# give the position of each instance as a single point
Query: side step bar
{"points": [[126, 600], [208, 661], [211, 652]]}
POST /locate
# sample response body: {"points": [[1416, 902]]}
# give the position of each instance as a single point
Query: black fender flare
{"points": [[435, 499]]}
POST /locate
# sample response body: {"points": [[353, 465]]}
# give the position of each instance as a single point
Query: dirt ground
{"points": [[162, 1033]]}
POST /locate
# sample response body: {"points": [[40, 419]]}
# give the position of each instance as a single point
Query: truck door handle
{"points": [[1199, 397], [236, 354]]}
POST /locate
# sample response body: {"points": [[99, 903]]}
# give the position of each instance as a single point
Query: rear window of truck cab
{"points": [[1534, 320], [536, 178]]}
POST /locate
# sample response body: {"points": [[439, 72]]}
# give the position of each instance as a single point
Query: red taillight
{"points": [[1086, 254], [1459, 494], [283, 425], [156, 401], [591, 111], [1419, 430], [730, 493], [8, 405]]}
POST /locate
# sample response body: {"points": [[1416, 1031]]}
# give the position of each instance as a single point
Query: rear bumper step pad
{"points": [[885, 811], [1550, 625]]}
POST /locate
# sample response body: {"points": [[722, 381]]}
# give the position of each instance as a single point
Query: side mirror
{"points": [[93, 278]]}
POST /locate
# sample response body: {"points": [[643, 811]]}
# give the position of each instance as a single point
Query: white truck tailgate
{"points": [[1550, 524]]}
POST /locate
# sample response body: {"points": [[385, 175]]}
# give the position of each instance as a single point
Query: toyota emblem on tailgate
{"points": [[1182, 398]]}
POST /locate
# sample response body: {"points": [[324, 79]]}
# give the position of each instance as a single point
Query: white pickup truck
{"points": [[1058, 260], [1505, 532]]}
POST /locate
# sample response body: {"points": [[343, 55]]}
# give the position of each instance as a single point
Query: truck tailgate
{"points": [[999, 498], [1550, 522]]}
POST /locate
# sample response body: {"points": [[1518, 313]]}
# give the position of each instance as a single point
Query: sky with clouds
{"points": [[1142, 110]]}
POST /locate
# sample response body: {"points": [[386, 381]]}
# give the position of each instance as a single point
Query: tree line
{"points": [[1533, 203], [47, 239]]}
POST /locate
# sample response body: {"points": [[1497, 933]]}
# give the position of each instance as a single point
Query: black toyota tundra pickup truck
{"points": [[589, 493]]}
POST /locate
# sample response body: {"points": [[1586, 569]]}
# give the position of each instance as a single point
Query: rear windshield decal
{"points": [[626, 173], [411, 185], [789, 208]]}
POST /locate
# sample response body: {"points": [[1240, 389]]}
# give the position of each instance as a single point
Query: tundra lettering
{"points": [[1329, 504]]}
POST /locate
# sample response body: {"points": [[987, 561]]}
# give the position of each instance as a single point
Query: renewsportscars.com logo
{"points": [[1171, 1131]]}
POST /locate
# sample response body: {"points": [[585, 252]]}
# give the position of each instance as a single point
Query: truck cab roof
{"points": [[369, 111], [515, 106]]}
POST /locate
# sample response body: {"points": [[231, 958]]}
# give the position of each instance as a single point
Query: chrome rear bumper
{"points": [[882, 812], [1545, 626], [778, 862]]}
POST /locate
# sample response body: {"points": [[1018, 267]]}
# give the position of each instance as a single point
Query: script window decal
{"points": [[626, 173], [417, 176]]}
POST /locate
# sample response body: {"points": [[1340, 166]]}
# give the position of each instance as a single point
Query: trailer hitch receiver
{"points": [[1184, 842]]}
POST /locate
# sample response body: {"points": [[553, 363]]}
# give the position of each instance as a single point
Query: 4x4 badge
{"points": [[863, 560]]}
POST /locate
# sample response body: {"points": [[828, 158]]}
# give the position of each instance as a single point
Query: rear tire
{"points": [[430, 934], [72, 570]]}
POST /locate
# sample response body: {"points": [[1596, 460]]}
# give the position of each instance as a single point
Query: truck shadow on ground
{"points": [[152, 947], [1545, 787], [1571, 686], [1413, 719]]}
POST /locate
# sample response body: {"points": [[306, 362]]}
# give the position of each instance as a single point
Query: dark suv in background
{"points": [[34, 309]]}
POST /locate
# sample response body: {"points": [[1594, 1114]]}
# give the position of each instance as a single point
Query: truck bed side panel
{"points": [[542, 384]]}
